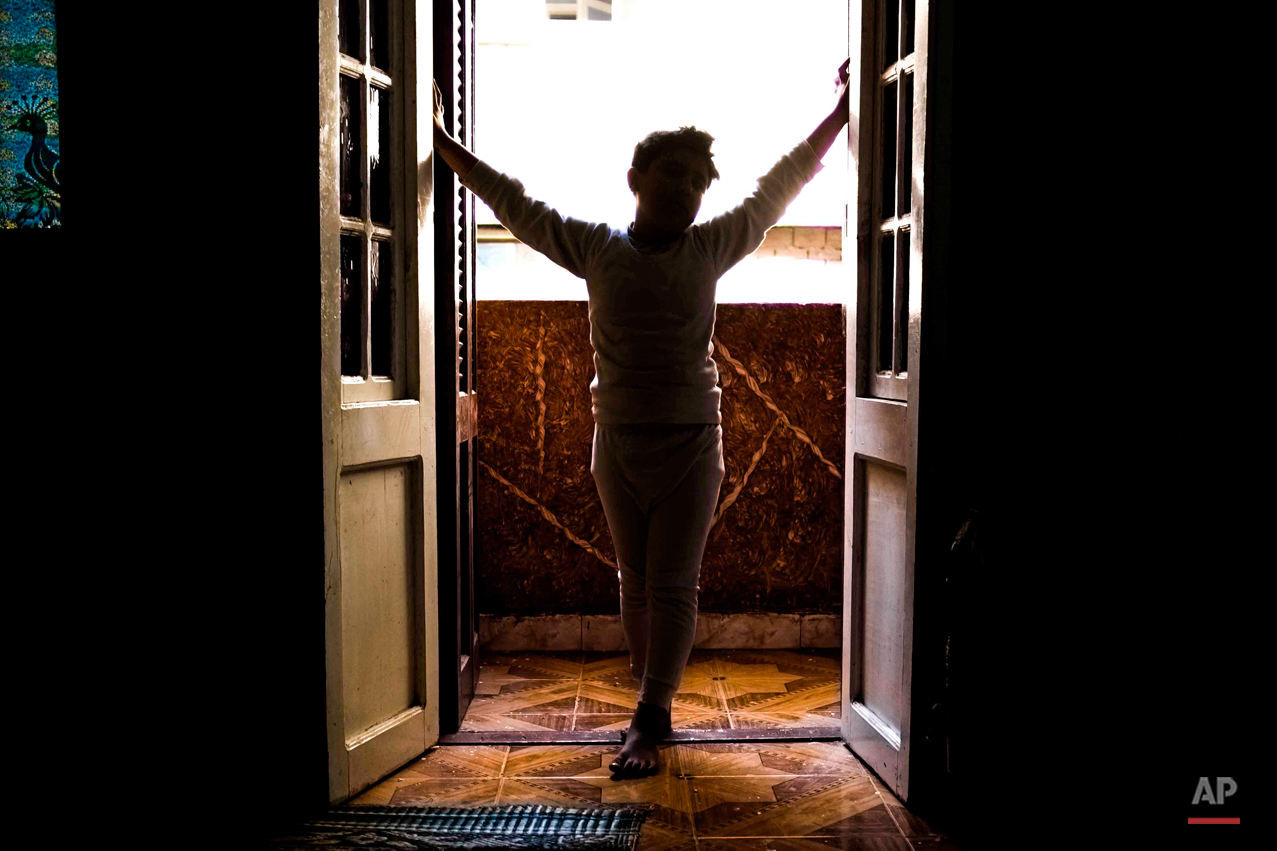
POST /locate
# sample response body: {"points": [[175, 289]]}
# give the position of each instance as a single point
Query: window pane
{"points": [[887, 132], [352, 195], [909, 6], [906, 140], [902, 321], [349, 37], [886, 262], [890, 32], [596, 15], [379, 29], [379, 155], [382, 268], [352, 303]]}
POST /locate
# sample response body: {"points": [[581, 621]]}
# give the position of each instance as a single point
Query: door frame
{"points": [[456, 402], [339, 424]]}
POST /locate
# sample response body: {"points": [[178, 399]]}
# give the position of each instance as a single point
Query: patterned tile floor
{"points": [[709, 796], [721, 690]]}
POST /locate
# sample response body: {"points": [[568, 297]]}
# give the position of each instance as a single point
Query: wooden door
{"points": [[455, 371], [888, 44], [379, 488]]}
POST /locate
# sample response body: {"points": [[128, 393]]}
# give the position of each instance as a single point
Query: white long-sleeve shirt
{"points": [[651, 314]]}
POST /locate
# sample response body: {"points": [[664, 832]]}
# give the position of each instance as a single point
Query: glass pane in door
{"points": [[382, 268], [906, 142], [350, 161], [887, 130], [886, 300], [890, 32], [350, 38], [908, 39], [379, 155], [379, 31], [352, 303], [902, 315]]}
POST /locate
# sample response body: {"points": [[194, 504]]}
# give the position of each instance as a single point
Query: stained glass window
{"points": [[30, 194]]}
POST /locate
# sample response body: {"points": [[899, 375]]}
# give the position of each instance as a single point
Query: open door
{"points": [[456, 403], [887, 140], [377, 356]]}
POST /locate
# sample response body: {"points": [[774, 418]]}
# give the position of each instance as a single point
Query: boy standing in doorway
{"points": [[657, 459]]}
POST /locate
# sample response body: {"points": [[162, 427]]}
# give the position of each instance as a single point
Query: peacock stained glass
{"points": [[30, 194]]}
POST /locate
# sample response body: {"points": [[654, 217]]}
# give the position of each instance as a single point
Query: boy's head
{"points": [[669, 174]]}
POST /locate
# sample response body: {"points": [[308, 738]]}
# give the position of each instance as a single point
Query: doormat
{"points": [[604, 828]]}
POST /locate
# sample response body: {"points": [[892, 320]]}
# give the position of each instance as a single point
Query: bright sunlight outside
{"points": [[560, 106]]}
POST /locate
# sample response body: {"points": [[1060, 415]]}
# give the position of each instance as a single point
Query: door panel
{"points": [[381, 749], [883, 530], [884, 327], [379, 601], [881, 433], [378, 449], [372, 432]]}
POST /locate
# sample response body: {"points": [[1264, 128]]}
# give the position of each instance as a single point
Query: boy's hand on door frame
{"points": [[842, 87], [438, 95]]}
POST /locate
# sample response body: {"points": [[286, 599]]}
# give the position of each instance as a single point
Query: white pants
{"points": [[659, 486]]}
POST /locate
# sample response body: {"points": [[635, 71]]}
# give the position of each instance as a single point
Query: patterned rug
{"points": [[604, 828]]}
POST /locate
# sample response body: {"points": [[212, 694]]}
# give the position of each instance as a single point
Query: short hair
{"points": [[660, 142]]}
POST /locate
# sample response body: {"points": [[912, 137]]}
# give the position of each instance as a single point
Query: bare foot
{"points": [[638, 758]]}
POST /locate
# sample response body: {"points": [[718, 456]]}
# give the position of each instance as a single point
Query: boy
{"points": [[657, 459]]}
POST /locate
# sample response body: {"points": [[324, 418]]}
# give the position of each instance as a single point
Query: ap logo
{"points": [[1224, 786], [1216, 800]]}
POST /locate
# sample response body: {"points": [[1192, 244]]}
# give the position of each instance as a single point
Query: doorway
{"points": [[876, 467], [884, 202]]}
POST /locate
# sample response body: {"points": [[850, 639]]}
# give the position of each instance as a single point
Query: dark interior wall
{"points": [[264, 502], [276, 670], [182, 298], [991, 689], [970, 668], [778, 544]]}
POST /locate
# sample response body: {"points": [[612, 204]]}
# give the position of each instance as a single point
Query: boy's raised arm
{"points": [[823, 136], [571, 243], [736, 234], [453, 152]]}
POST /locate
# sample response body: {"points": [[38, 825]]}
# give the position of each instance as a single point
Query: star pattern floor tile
{"points": [[710, 759]]}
